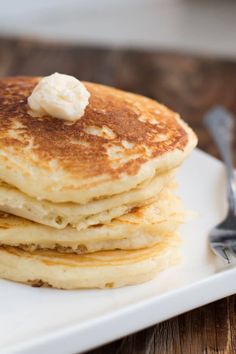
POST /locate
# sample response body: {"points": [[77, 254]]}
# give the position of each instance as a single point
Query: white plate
{"points": [[37, 320]]}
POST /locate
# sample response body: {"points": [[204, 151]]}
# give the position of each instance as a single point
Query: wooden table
{"points": [[189, 85]]}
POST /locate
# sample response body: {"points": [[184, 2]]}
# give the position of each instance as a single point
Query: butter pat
{"points": [[58, 95]]}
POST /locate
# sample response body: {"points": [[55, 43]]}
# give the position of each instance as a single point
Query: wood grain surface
{"points": [[187, 84]]}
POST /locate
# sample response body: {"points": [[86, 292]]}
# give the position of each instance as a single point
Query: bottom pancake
{"points": [[104, 269]]}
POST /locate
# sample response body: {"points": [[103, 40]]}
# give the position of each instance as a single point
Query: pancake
{"points": [[107, 269], [122, 140], [141, 227], [59, 215]]}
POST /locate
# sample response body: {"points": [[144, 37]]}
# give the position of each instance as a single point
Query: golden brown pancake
{"points": [[107, 269], [141, 227], [100, 211], [122, 140]]}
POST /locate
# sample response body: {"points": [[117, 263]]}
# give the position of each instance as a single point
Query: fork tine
{"points": [[222, 252], [233, 249]]}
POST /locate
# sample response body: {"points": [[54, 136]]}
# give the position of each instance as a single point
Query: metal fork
{"points": [[220, 125]]}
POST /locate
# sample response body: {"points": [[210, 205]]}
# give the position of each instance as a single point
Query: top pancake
{"points": [[122, 140]]}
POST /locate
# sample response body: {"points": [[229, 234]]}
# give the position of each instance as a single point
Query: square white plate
{"points": [[38, 320]]}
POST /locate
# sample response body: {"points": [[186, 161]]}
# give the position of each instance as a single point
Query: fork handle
{"points": [[220, 124]]}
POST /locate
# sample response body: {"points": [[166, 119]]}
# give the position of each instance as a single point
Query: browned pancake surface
{"points": [[139, 129]]}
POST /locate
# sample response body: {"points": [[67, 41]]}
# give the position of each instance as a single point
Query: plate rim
{"points": [[122, 315]]}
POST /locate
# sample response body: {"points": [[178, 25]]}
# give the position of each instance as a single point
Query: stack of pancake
{"points": [[89, 204]]}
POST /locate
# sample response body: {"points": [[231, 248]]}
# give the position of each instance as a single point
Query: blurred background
{"points": [[200, 26]]}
